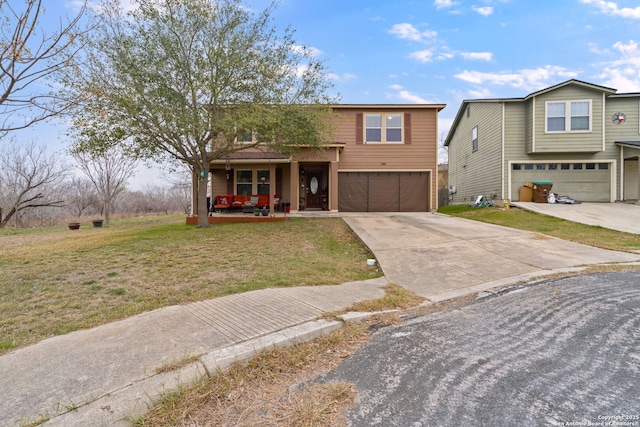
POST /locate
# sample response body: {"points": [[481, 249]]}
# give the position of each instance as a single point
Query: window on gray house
{"points": [[474, 139]]}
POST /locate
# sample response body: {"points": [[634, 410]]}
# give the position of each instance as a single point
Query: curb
{"points": [[119, 407]]}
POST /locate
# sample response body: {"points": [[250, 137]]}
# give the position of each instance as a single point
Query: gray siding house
{"points": [[582, 137]]}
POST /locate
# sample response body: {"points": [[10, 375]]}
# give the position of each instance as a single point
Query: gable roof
{"points": [[573, 82], [607, 90]]}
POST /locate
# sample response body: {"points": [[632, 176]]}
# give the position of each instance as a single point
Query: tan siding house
{"points": [[382, 158], [582, 137]]}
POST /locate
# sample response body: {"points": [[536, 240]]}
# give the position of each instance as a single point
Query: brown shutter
{"points": [[407, 128], [359, 135]]}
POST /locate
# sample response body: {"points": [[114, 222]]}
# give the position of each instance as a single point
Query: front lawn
{"points": [[57, 280]]}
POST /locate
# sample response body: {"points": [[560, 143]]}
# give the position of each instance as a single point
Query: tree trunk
{"points": [[203, 215], [107, 212]]}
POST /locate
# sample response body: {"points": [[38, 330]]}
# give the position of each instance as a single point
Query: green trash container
{"points": [[541, 190]]}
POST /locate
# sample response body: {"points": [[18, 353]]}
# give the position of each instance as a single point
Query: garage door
{"points": [[383, 191], [588, 182]]}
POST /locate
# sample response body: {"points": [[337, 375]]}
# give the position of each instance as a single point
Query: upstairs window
{"points": [[383, 128], [246, 138], [474, 139], [556, 116], [568, 116]]}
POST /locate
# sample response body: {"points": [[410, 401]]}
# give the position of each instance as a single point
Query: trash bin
{"points": [[541, 190]]}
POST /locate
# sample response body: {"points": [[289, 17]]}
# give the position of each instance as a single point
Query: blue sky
{"points": [[444, 51]]}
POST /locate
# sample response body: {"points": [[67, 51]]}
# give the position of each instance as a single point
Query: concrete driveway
{"points": [[616, 216], [441, 257]]}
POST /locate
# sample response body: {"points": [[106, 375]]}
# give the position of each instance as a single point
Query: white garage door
{"points": [[587, 182]]}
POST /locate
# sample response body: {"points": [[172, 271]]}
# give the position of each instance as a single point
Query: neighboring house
{"points": [[383, 158], [582, 137]]}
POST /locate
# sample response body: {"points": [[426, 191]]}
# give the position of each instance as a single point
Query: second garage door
{"points": [[588, 182], [383, 191]]}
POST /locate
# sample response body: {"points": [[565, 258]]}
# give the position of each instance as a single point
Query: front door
{"points": [[313, 190]]}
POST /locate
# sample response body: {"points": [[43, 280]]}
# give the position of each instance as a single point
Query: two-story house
{"points": [[582, 137], [383, 158]]}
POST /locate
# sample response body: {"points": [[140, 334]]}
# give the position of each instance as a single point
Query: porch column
{"points": [[638, 178], [294, 186], [272, 186], [333, 186]]}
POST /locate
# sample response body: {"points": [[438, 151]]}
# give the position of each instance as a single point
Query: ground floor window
{"points": [[244, 181], [263, 181], [252, 181]]}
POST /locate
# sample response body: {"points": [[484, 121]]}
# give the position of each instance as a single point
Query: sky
{"points": [[445, 51]]}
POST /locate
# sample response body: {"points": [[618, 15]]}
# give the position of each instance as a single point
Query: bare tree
{"points": [[81, 196], [29, 179], [443, 150], [28, 58], [108, 170]]}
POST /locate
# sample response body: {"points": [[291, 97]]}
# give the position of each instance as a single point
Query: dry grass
{"points": [[55, 280], [274, 389], [396, 298], [173, 365]]}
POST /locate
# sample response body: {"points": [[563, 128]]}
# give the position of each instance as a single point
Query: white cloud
{"points": [[484, 11], [341, 77], [443, 4], [527, 79], [312, 51], [611, 8], [406, 96], [593, 48], [445, 55], [481, 93], [628, 50], [477, 56], [126, 5], [422, 55], [409, 32], [623, 73]]}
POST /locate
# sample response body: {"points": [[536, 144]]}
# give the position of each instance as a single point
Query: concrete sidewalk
{"points": [[104, 375]]}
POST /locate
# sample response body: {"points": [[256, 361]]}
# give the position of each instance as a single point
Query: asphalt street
{"points": [[559, 352]]}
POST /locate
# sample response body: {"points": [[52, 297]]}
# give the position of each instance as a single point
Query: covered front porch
{"points": [[307, 181], [630, 174]]}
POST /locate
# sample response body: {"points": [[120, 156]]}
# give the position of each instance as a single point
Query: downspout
{"points": [[431, 184], [622, 173], [604, 136], [502, 156]]}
